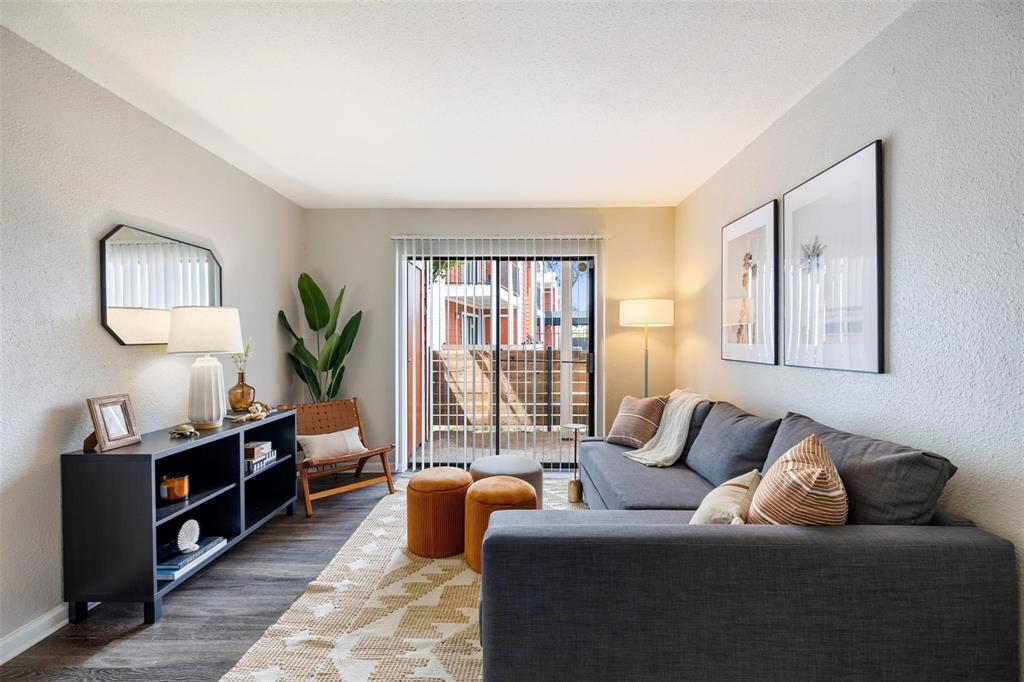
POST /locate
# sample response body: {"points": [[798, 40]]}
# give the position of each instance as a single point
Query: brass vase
{"points": [[241, 395]]}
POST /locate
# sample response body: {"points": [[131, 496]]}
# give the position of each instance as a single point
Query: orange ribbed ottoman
{"points": [[485, 497], [436, 505]]}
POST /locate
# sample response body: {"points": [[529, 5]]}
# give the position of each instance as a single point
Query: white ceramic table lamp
{"points": [[646, 313], [205, 330]]}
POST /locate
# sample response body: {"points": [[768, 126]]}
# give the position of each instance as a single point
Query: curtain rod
{"points": [[558, 237]]}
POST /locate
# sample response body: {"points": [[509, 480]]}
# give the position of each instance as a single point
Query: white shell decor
{"points": [[187, 536]]}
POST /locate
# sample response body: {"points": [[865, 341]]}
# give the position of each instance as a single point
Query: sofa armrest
{"points": [[611, 595]]}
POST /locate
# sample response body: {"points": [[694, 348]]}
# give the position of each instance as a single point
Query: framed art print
{"points": [[832, 266], [748, 287]]}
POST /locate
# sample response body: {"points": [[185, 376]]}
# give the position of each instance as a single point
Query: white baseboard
{"points": [[35, 631]]}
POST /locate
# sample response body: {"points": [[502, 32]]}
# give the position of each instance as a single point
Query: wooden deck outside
{"points": [[451, 448]]}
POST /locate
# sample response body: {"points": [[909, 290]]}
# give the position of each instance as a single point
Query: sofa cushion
{"points": [[802, 488], [700, 414], [730, 443], [625, 484], [637, 421], [886, 483], [729, 502]]}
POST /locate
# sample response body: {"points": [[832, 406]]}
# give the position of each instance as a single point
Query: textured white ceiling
{"points": [[531, 104]]}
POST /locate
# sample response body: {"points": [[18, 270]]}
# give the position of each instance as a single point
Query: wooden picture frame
{"points": [[832, 267], [113, 422], [749, 291]]}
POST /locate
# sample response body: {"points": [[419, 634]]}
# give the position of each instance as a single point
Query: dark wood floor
{"points": [[211, 620]]}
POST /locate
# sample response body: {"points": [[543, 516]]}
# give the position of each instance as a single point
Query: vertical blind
{"points": [[484, 356], [159, 275]]}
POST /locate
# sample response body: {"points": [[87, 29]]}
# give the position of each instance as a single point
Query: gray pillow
{"points": [[700, 413], [730, 443], [886, 483]]}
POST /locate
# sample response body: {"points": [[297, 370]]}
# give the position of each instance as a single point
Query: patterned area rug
{"points": [[379, 612]]}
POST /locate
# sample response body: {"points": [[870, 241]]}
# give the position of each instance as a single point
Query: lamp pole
{"points": [[645, 360]]}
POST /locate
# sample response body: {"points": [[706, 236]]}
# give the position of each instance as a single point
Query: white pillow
{"points": [[729, 502], [328, 445]]}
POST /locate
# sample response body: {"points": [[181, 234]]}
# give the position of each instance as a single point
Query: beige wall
{"points": [[943, 86], [354, 248], [76, 161]]}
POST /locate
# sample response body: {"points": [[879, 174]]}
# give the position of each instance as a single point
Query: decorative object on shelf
{"points": [[646, 313], [257, 411], [749, 287], [241, 395], [323, 372], [575, 484], [259, 463], [172, 563], [205, 330], [135, 306], [832, 298], [183, 431], [113, 423], [173, 487], [187, 537]]}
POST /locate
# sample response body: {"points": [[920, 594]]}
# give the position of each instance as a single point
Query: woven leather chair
{"points": [[336, 415]]}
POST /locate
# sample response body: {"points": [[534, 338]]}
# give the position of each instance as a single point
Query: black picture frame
{"points": [[877, 345], [774, 292]]}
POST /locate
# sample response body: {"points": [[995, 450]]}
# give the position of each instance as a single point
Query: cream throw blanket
{"points": [[667, 445]]}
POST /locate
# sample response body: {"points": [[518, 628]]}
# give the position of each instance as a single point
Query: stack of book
{"points": [[259, 455], [172, 563]]}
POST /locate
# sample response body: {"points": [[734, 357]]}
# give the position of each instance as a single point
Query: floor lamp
{"points": [[646, 313]]}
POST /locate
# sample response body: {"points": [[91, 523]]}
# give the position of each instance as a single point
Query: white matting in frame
{"points": [[832, 266], [748, 287]]}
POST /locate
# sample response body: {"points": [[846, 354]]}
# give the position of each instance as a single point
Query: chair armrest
{"points": [[612, 595]]}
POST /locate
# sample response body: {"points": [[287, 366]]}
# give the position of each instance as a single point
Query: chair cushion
{"points": [[802, 488], [440, 479], [327, 445], [637, 421], [730, 443], [625, 484], [886, 483]]}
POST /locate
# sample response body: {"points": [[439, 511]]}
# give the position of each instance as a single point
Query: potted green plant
{"points": [[323, 368]]}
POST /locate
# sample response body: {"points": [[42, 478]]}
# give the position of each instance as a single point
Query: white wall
{"points": [[943, 87], [76, 161], [354, 248]]}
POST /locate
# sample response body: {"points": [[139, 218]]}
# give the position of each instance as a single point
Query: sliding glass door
{"points": [[499, 352]]}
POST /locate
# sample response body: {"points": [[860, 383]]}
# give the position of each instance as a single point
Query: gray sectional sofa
{"points": [[630, 591]]}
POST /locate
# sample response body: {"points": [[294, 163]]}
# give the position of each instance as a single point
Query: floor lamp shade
{"points": [[205, 330], [646, 313]]}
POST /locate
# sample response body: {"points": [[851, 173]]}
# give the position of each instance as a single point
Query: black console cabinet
{"points": [[114, 520]]}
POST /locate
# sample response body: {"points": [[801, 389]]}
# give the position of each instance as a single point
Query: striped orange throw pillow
{"points": [[802, 488], [637, 421]]}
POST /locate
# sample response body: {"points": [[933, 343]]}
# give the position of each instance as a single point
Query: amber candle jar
{"points": [[173, 487]]}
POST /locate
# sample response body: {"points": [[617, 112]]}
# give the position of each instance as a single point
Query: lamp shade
{"points": [[650, 312], [204, 329]]}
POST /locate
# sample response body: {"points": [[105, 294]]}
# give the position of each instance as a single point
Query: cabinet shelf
{"points": [[170, 511], [114, 523], [267, 468]]}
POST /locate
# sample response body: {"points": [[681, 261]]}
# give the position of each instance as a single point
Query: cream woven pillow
{"points": [[331, 444], [802, 488], [729, 502], [637, 421]]}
